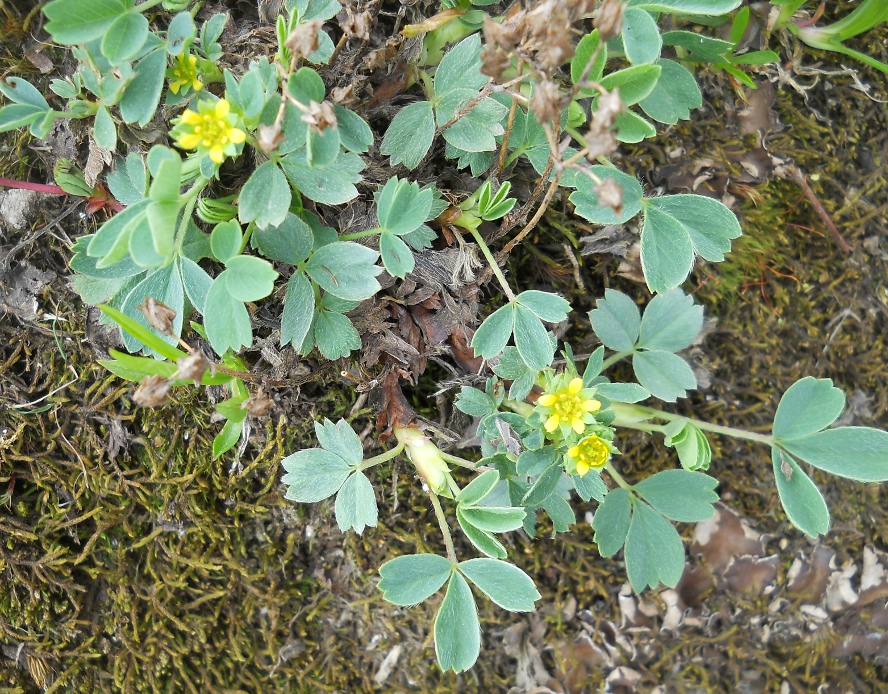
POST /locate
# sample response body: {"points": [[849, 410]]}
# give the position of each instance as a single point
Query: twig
{"points": [[799, 177]]}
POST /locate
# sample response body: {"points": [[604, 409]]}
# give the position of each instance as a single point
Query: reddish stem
{"points": [[25, 185]]}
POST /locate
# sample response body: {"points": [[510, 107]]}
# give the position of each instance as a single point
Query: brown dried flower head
{"points": [[159, 315], [258, 404], [357, 24], [610, 194], [193, 367], [320, 116], [270, 137], [152, 391], [549, 24], [303, 40], [494, 62], [547, 101], [344, 96], [506, 34], [609, 20]]}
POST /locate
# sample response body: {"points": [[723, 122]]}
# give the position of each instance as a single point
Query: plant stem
{"points": [[618, 478], [361, 234], [191, 200], [456, 460], [494, 266], [614, 358], [382, 457], [37, 187], [445, 529], [632, 416]]}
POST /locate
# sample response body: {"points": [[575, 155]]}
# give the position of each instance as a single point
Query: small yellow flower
{"points": [[568, 406], [184, 74], [211, 130], [590, 454]]}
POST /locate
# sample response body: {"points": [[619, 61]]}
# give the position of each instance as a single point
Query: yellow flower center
{"points": [[568, 406], [590, 453]]}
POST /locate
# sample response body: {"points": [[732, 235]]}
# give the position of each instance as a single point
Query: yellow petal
{"points": [[189, 141], [552, 423], [582, 468], [578, 425], [574, 451], [591, 406], [546, 400], [237, 136], [192, 60], [222, 108], [189, 117], [217, 155], [197, 85], [576, 385], [174, 86]]}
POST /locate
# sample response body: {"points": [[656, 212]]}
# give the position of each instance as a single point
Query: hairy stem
{"points": [[382, 457], [445, 529]]}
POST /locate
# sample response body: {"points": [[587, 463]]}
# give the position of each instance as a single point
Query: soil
{"points": [[133, 562]]}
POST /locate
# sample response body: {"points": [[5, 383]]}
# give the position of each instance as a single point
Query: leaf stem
{"points": [[618, 478], [361, 234], [631, 417], [614, 358], [445, 529], [494, 266], [461, 462], [382, 457]]}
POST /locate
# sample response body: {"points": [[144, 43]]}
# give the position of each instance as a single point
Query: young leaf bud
{"points": [[426, 457]]}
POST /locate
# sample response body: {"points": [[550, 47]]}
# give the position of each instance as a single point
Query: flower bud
{"points": [[426, 457]]}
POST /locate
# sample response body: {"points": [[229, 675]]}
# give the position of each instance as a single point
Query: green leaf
{"points": [[641, 37], [322, 148], [143, 334], [128, 182], [410, 134], [335, 335], [635, 82], [108, 235], [457, 631], [633, 128], [691, 444], [299, 304], [460, 68], [75, 21], [410, 579], [22, 92], [163, 285], [616, 321], [701, 48], [611, 522], [225, 241], [545, 305], [559, 511], [699, 7], [664, 374], [856, 453], [265, 197], [680, 494], [474, 402], [494, 519], [290, 241], [345, 269], [475, 131], [623, 392], [677, 225], [226, 439], [196, 282], [671, 322], [402, 206], [354, 133], [583, 54], [356, 505], [532, 340], [166, 166], [139, 102], [536, 462], [594, 366], [180, 32], [16, 116], [341, 440], [249, 278], [586, 199], [494, 332], [809, 405], [543, 486], [313, 475], [802, 501], [331, 186], [504, 583], [591, 486], [226, 319], [478, 488], [397, 258], [125, 37], [104, 130], [675, 94], [654, 552], [481, 539]]}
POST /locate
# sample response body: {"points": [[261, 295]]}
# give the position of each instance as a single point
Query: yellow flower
{"points": [[184, 74], [590, 453], [570, 406], [211, 130]]}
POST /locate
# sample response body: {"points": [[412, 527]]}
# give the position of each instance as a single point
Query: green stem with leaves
{"points": [[494, 266]]}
